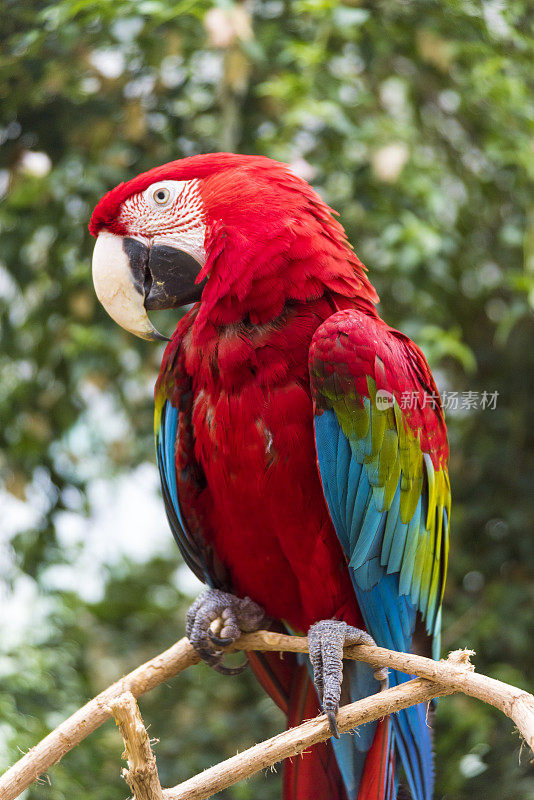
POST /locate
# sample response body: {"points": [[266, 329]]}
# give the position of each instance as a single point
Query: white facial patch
{"points": [[168, 212]]}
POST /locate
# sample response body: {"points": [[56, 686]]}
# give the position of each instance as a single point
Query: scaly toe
{"points": [[382, 676], [326, 640]]}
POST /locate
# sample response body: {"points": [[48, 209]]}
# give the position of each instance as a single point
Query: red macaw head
{"points": [[243, 234]]}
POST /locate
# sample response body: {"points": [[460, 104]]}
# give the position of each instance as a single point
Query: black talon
{"points": [[224, 670], [218, 641], [331, 716], [211, 657]]}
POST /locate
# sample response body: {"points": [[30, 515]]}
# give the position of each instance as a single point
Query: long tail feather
{"points": [[378, 778]]}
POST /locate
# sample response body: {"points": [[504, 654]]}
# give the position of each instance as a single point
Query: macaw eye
{"points": [[161, 196]]}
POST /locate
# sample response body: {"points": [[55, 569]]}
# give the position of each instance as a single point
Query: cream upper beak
{"points": [[115, 288]]}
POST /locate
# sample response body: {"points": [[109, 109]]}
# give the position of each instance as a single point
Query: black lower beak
{"points": [[164, 275]]}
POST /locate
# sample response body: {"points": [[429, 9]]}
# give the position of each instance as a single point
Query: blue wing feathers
{"points": [[419, 561], [328, 432], [165, 456], [369, 574], [342, 469], [391, 522], [381, 550], [361, 502], [170, 425], [353, 479], [408, 559], [397, 546], [371, 529]]}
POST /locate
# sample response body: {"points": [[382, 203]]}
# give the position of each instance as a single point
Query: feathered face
{"points": [[150, 254], [242, 233]]}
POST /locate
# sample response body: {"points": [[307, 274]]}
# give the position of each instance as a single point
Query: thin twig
{"points": [[142, 773]]}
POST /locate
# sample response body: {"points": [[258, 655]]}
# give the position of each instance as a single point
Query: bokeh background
{"points": [[415, 120]]}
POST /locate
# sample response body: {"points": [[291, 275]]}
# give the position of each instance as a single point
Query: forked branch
{"points": [[446, 677]]}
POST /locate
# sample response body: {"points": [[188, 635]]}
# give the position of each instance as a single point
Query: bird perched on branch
{"points": [[301, 446]]}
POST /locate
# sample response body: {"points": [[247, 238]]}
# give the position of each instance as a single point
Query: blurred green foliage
{"points": [[415, 120]]}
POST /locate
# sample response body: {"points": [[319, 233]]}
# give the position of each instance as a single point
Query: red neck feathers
{"points": [[270, 241]]}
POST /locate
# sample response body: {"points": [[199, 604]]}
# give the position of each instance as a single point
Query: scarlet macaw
{"points": [[298, 482]]}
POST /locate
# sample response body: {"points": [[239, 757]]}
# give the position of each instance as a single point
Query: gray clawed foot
{"points": [[326, 640], [237, 616]]}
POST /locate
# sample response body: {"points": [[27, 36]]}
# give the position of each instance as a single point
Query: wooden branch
{"points": [[296, 740], [453, 675], [439, 678], [142, 773], [73, 730]]}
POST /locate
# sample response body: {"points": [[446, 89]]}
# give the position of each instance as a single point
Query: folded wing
{"points": [[382, 454]]}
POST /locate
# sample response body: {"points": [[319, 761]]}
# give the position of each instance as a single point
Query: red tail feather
{"points": [[378, 774], [313, 775]]}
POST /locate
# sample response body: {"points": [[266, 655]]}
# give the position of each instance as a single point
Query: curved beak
{"points": [[131, 278]]}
